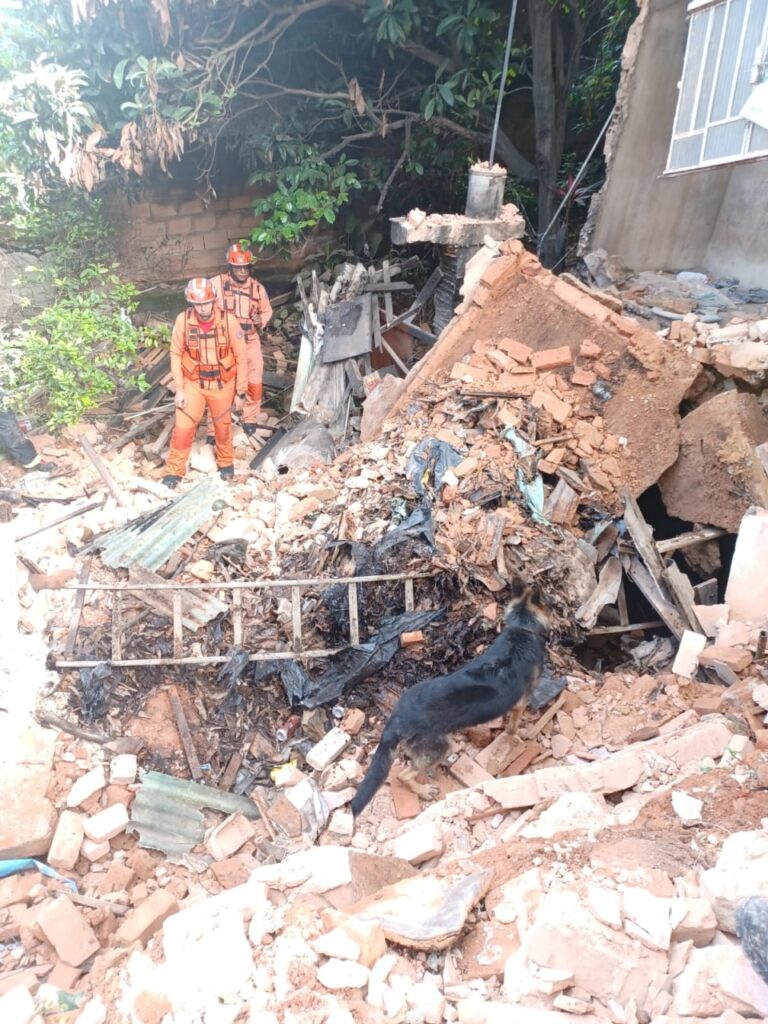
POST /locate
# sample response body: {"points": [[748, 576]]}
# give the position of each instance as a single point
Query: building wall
{"points": [[714, 219], [170, 238]]}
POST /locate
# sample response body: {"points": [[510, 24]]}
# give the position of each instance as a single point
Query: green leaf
{"points": [[429, 108]]}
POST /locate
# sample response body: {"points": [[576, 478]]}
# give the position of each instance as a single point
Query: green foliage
{"points": [[308, 191], [74, 354], [69, 227]]}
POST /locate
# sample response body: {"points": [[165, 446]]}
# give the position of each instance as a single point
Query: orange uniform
{"points": [[250, 305], [208, 364]]}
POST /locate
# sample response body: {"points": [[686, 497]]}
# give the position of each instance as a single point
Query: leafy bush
{"points": [[75, 353], [308, 190], [69, 227]]}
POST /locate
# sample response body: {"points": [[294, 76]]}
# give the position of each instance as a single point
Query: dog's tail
{"points": [[378, 769]]}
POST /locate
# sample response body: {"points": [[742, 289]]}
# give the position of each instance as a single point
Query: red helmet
{"points": [[239, 255], [199, 290]]}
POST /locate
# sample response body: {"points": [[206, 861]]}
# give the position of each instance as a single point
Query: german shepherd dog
{"points": [[496, 682]]}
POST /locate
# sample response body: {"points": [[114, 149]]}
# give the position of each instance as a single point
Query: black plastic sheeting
{"points": [[428, 463], [13, 442], [545, 691], [94, 687], [350, 667], [752, 930]]}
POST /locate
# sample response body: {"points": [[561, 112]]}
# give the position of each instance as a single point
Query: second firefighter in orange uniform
{"points": [[246, 299], [209, 368]]}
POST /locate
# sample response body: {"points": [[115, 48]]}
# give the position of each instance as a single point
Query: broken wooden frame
{"points": [[236, 609]]}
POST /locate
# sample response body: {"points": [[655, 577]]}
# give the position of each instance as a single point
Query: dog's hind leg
{"points": [[423, 754], [513, 718]]}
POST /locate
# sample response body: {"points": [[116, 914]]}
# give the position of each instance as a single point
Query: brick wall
{"points": [[170, 239]]}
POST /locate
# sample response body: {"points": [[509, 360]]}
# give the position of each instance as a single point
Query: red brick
{"points": [[353, 721], [593, 309], [179, 226], [568, 293], [241, 202], [119, 795], [497, 271], [557, 409], [590, 349], [141, 923], [118, 878], [63, 976], [68, 932], [416, 636], [16, 888], [551, 358], [520, 353], [736, 658], [583, 378], [66, 842]]}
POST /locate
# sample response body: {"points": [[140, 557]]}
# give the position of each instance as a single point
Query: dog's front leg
{"points": [[513, 719], [426, 792]]}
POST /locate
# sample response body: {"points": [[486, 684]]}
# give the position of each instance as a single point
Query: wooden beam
{"points": [[103, 472], [184, 732], [77, 609]]}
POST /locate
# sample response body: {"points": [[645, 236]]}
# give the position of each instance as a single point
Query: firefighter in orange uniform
{"points": [[244, 298], [208, 364]]}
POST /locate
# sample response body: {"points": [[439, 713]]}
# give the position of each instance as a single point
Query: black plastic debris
{"points": [[429, 462], [12, 441], [418, 526], [545, 691], [752, 930], [350, 667], [94, 687], [229, 552], [229, 675]]}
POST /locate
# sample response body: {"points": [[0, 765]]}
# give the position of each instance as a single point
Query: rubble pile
{"points": [[607, 863]]}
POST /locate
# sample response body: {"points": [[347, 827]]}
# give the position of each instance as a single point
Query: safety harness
{"points": [[208, 374], [231, 292]]}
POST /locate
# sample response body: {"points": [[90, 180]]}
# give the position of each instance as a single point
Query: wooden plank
{"points": [[529, 754], [409, 595], [155, 449], [103, 472], [185, 733], [561, 505], [500, 753], [642, 536], [547, 717], [688, 540], [178, 628], [621, 604], [389, 310], [652, 592], [706, 592], [237, 618], [77, 609], [605, 593], [682, 590], [468, 772], [376, 322], [296, 617], [354, 618], [117, 626], [629, 628]]}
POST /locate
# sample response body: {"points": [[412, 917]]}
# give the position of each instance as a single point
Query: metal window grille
{"points": [[726, 55]]}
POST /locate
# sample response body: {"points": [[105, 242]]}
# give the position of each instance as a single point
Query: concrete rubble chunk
{"points": [[366, 935], [426, 999], [718, 978], [419, 844], [17, 1006], [481, 1011], [686, 661], [741, 871], [342, 974], [686, 807], [28, 817], [693, 920], [328, 749], [647, 918], [86, 786], [337, 944], [68, 932], [717, 475], [427, 911], [747, 590], [605, 963], [123, 769], [571, 812]]}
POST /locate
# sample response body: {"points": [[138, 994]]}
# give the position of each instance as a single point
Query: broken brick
{"points": [[353, 721], [66, 842], [328, 749], [468, 772], [590, 349], [736, 658], [229, 836], [416, 636], [419, 844], [552, 358], [583, 378], [68, 932], [107, 823], [141, 923]]}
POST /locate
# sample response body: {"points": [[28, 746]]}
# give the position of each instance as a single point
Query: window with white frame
{"points": [[722, 106]]}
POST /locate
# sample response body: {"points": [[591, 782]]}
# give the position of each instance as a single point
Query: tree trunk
{"points": [[556, 39]]}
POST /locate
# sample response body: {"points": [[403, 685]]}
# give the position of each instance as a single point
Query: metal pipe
{"points": [[315, 581], [504, 70]]}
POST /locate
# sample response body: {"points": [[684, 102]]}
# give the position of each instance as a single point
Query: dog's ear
{"points": [[517, 588], [535, 599]]}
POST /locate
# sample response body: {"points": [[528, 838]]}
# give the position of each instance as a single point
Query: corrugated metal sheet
{"points": [[197, 606], [167, 816], [151, 539]]}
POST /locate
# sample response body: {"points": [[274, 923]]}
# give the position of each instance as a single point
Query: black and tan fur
{"points": [[496, 682]]}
